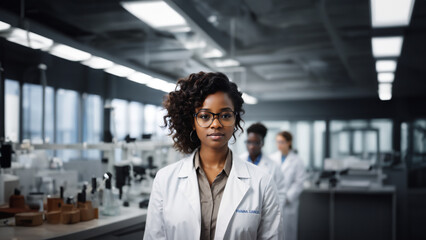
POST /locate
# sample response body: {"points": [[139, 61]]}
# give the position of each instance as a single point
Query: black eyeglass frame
{"points": [[214, 116]]}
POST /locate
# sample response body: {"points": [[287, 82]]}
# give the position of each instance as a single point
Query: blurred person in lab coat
{"points": [[210, 194], [293, 171], [256, 134]]}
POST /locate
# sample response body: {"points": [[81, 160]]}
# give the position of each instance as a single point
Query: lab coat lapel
{"points": [[288, 161], [235, 190], [189, 186], [263, 163]]}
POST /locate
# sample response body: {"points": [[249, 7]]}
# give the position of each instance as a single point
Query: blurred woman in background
{"points": [[293, 171]]}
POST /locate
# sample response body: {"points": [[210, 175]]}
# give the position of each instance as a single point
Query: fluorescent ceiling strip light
{"points": [[139, 77], [69, 53], [391, 13], [226, 63], [213, 53], [386, 77], [4, 26], [387, 46], [29, 39], [97, 63], [194, 44], [386, 66], [385, 91], [119, 70], [161, 85], [181, 29], [249, 99], [157, 14]]}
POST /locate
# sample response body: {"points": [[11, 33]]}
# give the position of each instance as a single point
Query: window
{"points": [[33, 112], [319, 144], [120, 119], [135, 119], [92, 124], [150, 117], [385, 127], [360, 138], [302, 141], [67, 122], [11, 105], [419, 142], [404, 140], [49, 130]]}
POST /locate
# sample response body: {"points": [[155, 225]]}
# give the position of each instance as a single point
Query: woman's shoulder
{"points": [[173, 168]]}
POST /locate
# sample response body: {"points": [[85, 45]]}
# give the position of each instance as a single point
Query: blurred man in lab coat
{"points": [[256, 134], [293, 171]]}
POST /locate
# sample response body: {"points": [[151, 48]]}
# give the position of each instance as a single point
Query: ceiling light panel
{"points": [[226, 63], [4, 26], [139, 77], [161, 85], [385, 91], [386, 66], [213, 53], [385, 77], [391, 13], [119, 70], [387, 46], [249, 99], [97, 63], [29, 39], [157, 14], [69, 53]]}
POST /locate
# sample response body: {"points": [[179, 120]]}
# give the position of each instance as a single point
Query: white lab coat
{"points": [[294, 174], [249, 208], [273, 168]]}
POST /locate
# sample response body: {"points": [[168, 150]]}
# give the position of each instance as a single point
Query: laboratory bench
{"points": [[347, 213], [130, 224]]}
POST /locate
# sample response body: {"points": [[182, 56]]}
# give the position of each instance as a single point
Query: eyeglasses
{"points": [[205, 118], [254, 143]]}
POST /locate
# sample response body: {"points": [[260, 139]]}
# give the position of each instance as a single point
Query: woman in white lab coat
{"points": [[293, 170], [210, 194]]}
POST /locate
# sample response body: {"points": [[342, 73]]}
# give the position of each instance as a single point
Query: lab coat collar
{"points": [[187, 166], [238, 168]]}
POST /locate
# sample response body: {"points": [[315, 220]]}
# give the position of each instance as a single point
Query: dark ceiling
{"points": [[287, 49]]}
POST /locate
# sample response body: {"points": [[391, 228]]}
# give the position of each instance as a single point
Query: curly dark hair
{"points": [[258, 128], [190, 94]]}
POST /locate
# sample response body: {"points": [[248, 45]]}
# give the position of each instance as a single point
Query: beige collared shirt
{"points": [[211, 196]]}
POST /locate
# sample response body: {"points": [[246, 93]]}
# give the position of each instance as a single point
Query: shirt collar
{"points": [[256, 162]]}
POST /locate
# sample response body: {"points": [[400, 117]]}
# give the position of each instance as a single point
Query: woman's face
{"points": [[282, 144], [215, 136]]}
